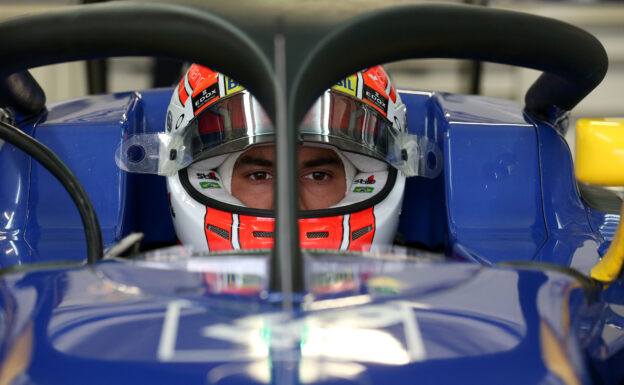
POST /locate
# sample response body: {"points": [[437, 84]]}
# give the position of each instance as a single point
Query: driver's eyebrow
{"points": [[255, 161], [322, 161]]}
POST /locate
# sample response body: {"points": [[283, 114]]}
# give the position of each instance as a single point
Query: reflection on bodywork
{"points": [[344, 335], [555, 357], [18, 357]]}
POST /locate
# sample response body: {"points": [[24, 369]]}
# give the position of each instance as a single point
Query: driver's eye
{"points": [[259, 176], [317, 176]]}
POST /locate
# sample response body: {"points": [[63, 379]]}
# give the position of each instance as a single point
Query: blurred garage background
{"points": [[605, 19]]}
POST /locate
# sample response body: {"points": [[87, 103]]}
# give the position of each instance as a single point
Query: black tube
{"points": [[573, 61], [55, 165], [287, 258], [137, 29], [476, 70], [22, 92], [97, 76]]}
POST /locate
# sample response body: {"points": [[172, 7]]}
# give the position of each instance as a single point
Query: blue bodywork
{"points": [[123, 323], [486, 315], [507, 192]]}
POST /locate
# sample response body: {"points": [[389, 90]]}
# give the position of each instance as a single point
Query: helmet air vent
{"points": [[223, 233], [359, 233], [317, 234], [263, 234]]}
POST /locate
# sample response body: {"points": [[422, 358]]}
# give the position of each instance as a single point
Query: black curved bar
{"points": [[133, 29], [573, 61], [52, 163], [21, 91], [136, 29]]}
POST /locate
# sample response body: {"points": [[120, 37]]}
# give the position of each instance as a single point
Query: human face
{"points": [[321, 178]]}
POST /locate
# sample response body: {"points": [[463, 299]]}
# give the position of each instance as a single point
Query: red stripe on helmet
{"points": [[197, 74], [218, 229], [258, 232], [321, 233], [374, 90], [314, 233], [376, 78], [255, 232], [362, 229]]}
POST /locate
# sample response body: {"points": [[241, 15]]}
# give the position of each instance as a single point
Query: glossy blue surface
{"points": [[14, 191], [507, 193], [106, 325], [492, 176], [84, 135], [424, 218], [39, 220], [571, 239]]}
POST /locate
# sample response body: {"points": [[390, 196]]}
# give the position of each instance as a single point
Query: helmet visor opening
{"points": [[349, 124], [237, 122], [227, 126]]}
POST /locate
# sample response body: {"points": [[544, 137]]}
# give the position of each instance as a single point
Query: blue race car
{"points": [[501, 289]]}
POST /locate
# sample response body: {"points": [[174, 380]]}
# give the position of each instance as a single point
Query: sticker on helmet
{"points": [[205, 97], [376, 99], [363, 189], [347, 85], [169, 121], [207, 175], [369, 180], [232, 86], [179, 121], [209, 185]]}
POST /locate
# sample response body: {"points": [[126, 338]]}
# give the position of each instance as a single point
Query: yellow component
{"points": [[231, 85], [600, 151], [555, 356], [609, 267], [18, 356], [600, 161], [387, 285], [347, 85]]}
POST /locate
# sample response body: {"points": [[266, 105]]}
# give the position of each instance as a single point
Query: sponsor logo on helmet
{"points": [[179, 121], [169, 121], [209, 185], [369, 180], [363, 189], [207, 175], [232, 86], [347, 85], [205, 97], [376, 98]]}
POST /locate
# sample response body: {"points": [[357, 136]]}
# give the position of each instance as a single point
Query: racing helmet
{"points": [[212, 119]]}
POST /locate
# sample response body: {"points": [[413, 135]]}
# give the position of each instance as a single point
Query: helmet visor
{"points": [[227, 126], [349, 124], [238, 122]]}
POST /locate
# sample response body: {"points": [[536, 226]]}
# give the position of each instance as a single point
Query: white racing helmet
{"points": [[212, 119]]}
